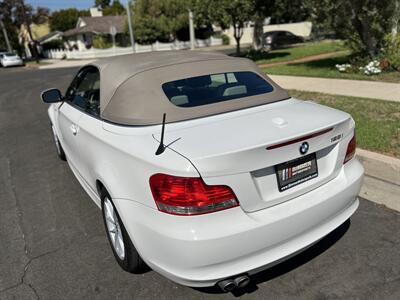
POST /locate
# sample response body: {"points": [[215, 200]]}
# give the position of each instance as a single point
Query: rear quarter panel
{"points": [[123, 159]]}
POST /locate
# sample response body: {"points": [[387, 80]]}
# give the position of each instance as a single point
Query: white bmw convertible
{"points": [[204, 168]]}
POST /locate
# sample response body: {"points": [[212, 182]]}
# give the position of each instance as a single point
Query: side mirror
{"points": [[51, 96]]}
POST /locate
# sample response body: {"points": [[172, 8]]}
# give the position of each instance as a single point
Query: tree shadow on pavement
{"points": [[261, 55], [287, 265]]}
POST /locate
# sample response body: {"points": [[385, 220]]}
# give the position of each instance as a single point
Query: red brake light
{"points": [[189, 195], [351, 150]]}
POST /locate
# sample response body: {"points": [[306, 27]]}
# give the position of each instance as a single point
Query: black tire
{"points": [[59, 148], [131, 262]]}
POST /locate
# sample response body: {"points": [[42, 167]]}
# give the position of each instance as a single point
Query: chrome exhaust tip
{"points": [[227, 285], [242, 281]]}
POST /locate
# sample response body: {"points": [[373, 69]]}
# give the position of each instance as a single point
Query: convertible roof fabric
{"points": [[131, 85]]}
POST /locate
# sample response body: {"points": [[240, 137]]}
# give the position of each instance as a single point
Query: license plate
{"points": [[297, 171]]}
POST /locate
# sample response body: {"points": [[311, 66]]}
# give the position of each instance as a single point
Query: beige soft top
{"points": [[131, 85]]}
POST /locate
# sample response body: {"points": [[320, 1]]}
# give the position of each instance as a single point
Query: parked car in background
{"points": [[275, 39], [204, 168], [10, 60], [2, 52]]}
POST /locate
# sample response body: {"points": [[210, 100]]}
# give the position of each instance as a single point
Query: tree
{"points": [[290, 11], [40, 15], [11, 17], [159, 20], [233, 13], [102, 3], [396, 19], [363, 23], [15, 13], [262, 9], [115, 9], [65, 19]]}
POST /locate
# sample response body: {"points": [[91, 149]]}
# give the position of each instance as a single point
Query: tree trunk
{"points": [[363, 28], [396, 19], [237, 33], [258, 32], [237, 46], [28, 28]]}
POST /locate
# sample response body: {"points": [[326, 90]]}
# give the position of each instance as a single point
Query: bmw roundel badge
{"points": [[304, 148]]}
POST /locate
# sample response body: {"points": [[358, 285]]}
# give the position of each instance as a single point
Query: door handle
{"points": [[74, 129]]}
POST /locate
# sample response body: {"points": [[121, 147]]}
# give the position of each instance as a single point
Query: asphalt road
{"points": [[53, 244]]}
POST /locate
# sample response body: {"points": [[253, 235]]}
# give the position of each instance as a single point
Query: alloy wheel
{"points": [[114, 229]]}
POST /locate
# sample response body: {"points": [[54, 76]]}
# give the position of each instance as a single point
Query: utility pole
{"points": [[28, 28], [128, 13], [5, 35], [191, 30]]}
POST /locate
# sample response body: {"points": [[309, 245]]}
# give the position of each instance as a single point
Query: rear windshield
{"points": [[214, 88]]}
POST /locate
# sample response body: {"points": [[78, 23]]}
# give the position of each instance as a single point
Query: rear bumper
{"points": [[201, 250]]}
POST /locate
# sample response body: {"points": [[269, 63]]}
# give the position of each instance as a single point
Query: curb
{"points": [[382, 178]]}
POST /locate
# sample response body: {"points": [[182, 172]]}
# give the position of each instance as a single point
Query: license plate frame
{"points": [[297, 171]]}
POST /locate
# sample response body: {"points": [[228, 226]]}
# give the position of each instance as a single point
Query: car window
{"points": [[84, 91], [214, 88]]}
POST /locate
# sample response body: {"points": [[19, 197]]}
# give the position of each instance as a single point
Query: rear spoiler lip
{"points": [[300, 139]]}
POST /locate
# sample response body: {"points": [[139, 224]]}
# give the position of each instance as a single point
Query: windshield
{"points": [[214, 88], [9, 54]]}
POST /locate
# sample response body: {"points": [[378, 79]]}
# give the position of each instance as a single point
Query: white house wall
{"points": [[301, 29]]}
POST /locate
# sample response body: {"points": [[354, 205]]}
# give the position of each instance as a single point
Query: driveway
{"points": [[53, 245]]}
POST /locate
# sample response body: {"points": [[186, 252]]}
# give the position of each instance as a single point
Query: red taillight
{"points": [[351, 150], [189, 195]]}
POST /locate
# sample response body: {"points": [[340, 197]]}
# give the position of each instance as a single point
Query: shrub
{"points": [[225, 39], [100, 42], [344, 68], [223, 36], [391, 51], [372, 68], [54, 44]]}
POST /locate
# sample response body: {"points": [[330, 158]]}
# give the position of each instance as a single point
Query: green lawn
{"points": [[297, 51], [326, 68], [377, 121]]}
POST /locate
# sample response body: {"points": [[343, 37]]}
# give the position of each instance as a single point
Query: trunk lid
{"points": [[242, 148]]}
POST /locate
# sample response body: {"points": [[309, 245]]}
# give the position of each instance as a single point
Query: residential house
{"points": [[37, 30], [81, 37]]}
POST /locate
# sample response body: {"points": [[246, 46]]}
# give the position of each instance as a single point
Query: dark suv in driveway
{"points": [[275, 39]]}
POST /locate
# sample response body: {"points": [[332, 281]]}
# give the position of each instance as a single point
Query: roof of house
{"points": [[98, 25], [49, 36], [131, 85]]}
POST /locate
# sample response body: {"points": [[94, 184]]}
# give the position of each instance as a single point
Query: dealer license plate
{"points": [[297, 171]]}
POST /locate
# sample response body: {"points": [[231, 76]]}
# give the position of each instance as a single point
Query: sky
{"points": [[60, 4]]}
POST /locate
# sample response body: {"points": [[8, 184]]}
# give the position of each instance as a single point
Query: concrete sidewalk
{"points": [[382, 178], [344, 87]]}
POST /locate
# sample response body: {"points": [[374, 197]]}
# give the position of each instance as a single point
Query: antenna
{"points": [[161, 147]]}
